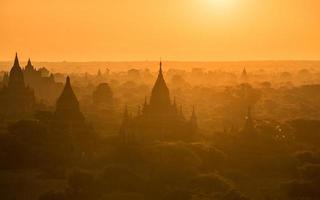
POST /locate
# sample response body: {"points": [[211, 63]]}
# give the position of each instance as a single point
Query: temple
{"points": [[244, 76], [69, 124], [42, 82], [159, 119], [67, 106], [16, 99]]}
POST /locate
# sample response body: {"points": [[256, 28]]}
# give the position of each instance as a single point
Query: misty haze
{"points": [[159, 100]]}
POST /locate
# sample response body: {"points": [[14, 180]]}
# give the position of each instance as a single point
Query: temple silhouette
{"points": [[67, 106], [159, 119], [42, 82], [17, 100], [68, 125], [244, 76]]}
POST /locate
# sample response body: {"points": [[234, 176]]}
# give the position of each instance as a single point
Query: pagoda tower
{"points": [[16, 100], [67, 105], [160, 118], [160, 95], [29, 66], [160, 105], [16, 78]]}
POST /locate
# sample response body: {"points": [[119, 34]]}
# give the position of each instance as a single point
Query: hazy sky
{"points": [[111, 30]]}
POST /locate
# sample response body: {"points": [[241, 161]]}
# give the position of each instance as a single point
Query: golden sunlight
{"points": [[221, 4], [88, 111], [225, 8]]}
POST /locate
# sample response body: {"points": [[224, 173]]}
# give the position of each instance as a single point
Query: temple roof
{"points": [[16, 78], [160, 92], [67, 107], [68, 94], [29, 65], [244, 72]]}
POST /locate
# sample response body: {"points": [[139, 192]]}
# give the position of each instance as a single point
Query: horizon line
{"points": [[190, 61]]}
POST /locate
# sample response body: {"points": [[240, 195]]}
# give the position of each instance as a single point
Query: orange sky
{"points": [[115, 30]]}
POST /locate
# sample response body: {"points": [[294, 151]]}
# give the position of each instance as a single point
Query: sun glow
{"points": [[222, 4], [218, 7], [217, 10]]}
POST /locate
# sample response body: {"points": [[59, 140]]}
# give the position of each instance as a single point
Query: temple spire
{"points": [[160, 70], [68, 84], [160, 75], [244, 75], [160, 98], [244, 72], [68, 91], [67, 106], [99, 73], [16, 60], [16, 78], [29, 65]]}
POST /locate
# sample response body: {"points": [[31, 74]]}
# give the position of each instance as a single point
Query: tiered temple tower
{"points": [[16, 79], [159, 119], [16, 100], [67, 106], [29, 66], [160, 104], [69, 124]]}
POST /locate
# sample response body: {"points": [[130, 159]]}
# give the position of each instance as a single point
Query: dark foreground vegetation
{"points": [[38, 164]]}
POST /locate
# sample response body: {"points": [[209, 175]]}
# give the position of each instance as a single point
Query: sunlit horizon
{"points": [[159, 99], [204, 30]]}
